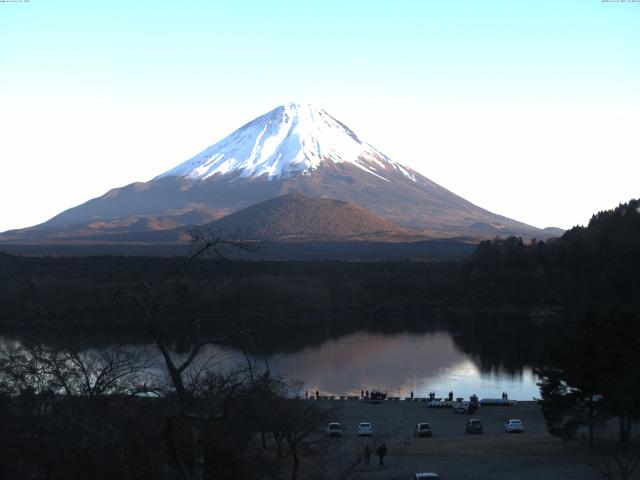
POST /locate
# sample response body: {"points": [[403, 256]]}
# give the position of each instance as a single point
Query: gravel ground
{"points": [[533, 454]]}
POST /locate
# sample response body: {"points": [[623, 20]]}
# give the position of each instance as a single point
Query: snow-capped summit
{"points": [[292, 149], [289, 140]]}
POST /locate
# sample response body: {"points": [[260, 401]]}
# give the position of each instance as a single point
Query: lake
{"points": [[397, 363], [470, 358]]}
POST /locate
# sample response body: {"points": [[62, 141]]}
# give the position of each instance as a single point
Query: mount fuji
{"points": [[289, 140], [291, 149]]}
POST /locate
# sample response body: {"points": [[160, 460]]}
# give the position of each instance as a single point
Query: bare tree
{"points": [[197, 395], [299, 422], [200, 395], [336, 462], [615, 461], [59, 395], [66, 371]]}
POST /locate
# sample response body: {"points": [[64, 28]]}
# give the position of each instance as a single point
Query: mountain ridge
{"points": [[290, 149]]}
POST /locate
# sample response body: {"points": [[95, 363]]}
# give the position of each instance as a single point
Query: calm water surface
{"points": [[397, 363]]}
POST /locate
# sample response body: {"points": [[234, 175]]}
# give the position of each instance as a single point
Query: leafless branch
{"points": [[614, 461]]}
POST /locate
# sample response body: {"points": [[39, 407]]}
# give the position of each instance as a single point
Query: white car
{"points": [[365, 429], [514, 425], [334, 429], [425, 475], [461, 407], [422, 430]]}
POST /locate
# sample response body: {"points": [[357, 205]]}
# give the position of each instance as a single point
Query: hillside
{"points": [[298, 217]]}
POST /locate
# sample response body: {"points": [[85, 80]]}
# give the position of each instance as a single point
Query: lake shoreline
{"points": [[277, 318]]}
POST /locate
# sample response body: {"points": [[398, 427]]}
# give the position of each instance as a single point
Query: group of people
{"points": [[381, 451], [365, 394], [306, 394], [432, 396]]}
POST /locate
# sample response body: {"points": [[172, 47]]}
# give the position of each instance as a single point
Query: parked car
{"points": [[365, 429], [473, 426], [461, 407], [422, 430], [334, 429], [425, 475], [514, 426]]}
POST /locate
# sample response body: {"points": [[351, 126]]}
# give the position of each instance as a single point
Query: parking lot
{"points": [[399, 418], [451, 453]]}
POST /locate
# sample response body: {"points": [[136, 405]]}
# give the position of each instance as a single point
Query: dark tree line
{"points": [[591, 375], [113, 414], [589, 380], [588, 266]]}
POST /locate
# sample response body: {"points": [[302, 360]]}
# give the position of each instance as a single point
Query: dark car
{"points": [[334, 429], [422, 430], [473, 426]]}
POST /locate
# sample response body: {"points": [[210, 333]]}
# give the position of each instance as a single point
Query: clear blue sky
{"points": [[528, 108]]}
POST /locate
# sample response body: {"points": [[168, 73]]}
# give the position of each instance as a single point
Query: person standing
{"points": [[317, 394], [306, 394], [361, 393], [381, 451], [367, 455], [412, 395]]}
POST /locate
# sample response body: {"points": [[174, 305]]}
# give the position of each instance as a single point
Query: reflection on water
{"points": [[399, 363], [477, 359]]}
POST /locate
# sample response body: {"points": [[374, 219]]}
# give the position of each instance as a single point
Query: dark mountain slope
{"points": [[299, 217]]}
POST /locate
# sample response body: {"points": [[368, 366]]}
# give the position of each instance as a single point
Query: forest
{"points": [[98, 412], [588, 266]]}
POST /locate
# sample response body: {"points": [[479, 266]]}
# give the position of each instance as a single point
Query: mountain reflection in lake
{"points": [[397, 362]]}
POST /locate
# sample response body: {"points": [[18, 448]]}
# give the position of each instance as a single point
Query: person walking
{"points": [[367, 455], [361, 393], [381, 451]]}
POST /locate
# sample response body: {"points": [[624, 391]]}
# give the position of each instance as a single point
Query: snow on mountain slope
{"points": [[289, 140], [293, 148]]}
